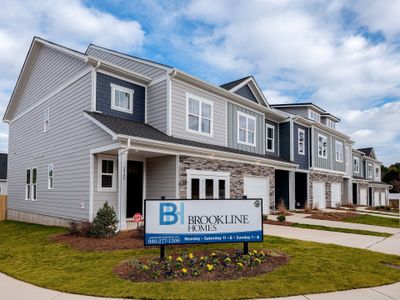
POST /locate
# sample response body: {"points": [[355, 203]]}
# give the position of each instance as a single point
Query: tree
{"points": [[391, 175]]}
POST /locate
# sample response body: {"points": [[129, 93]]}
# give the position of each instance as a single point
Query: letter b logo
{"points": [[169, 214]]}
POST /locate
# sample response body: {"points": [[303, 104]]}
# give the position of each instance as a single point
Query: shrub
{"points": [[105, 222], [281, 218], [265, 217], [80, 228]]}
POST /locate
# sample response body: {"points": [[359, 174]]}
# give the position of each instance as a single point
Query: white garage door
{"points": [[383, 198], [363, 196], [257, 187], [376, 198], [319, 195], [336, 194]]}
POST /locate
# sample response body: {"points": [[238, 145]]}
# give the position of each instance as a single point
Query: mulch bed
{"points": [[152, 270], [274, 222], [284, 214], [332, 216]]}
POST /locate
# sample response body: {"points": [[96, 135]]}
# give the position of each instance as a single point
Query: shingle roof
{"points": [[142, 130], [366, 151], [229, 85], [3, 165]]}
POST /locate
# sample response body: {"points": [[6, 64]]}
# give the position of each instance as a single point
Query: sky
{"points": [[342, 55]]}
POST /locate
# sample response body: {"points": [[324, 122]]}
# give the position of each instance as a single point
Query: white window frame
{"points": [[46, 120], [299, 130], [200, 100], [330, 123], [202, 176], [50, 179], [248, 117], [356, 166], [28, 185], [100, 159], [377, 174], [370, 170], [322, 146], [270, 126], [114, 88], [314, 116], [339, 155]]}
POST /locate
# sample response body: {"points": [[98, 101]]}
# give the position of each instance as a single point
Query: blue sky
{"points": [[342, 55]]}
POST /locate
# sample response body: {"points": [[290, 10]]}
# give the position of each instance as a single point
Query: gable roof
{"points": [[229, 85], [307, 104], [369, 151]]}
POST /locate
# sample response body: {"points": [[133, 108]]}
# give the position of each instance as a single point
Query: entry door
{"points": [[376, 198], [257, 187], [336, 194], [134, 188], [363, 196], [319, 195]]}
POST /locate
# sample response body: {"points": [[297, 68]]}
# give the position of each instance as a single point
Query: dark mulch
{"points": [[285, 214], [274, 222], [130, 270], [333, 216]]}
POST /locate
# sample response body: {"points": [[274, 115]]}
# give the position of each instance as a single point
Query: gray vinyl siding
{"points": [[161, 177], [136, 66], [178, 114], [233, 110], [300, 159], [284, 140], [300, 111], [157, 106], [336, 165], [50, 70], [246, 92], [66, 145], [319, 162], [276, 137]]}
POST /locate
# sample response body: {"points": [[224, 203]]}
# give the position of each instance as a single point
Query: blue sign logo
{"points": [[169, 213]]}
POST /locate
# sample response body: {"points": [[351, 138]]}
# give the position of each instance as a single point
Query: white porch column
{"points": [[292, 190], [122, 178]]}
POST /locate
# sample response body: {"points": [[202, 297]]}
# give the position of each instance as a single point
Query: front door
{"points": [[134, 188], [257, 187]]}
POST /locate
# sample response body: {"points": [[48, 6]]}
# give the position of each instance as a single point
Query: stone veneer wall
{"points": [[237, 171], [328, 179]]}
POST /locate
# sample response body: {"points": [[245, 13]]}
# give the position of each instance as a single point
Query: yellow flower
{"points": [[202, 258], [179, 259], [255, 251], [210, 267], [258, 260], [262, 253], [213, 254], [240, 265], [227, 260], [184, 271], [191, 256], [169, 258]]}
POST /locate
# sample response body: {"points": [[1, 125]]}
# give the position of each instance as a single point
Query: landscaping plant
{"points": [[80, 228], [281, 218], [105, 222]]}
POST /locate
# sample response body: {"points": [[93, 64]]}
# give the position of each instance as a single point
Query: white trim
{"points": [[169, 105], [341, 154], [48, 177], [177, 175], [205, 173], [114, 89], [326, 171], [51, 94], [270, 126], [145, 104], [100, 158], [102, 126], [105, 148], [158, 80], [94, 89], [202, 176], [200, 117], [91, 187], [322, 146], [63, 49], [300, 130], [291, 139], [248, 117], [311, 112], [254, 83], [121, 77]]}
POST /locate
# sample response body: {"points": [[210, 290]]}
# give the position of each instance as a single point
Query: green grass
{"points": [[374, 220], [345, 230], [26, 254]]}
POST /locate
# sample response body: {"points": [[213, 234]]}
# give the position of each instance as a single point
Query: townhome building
{"points": [[103, 126]]}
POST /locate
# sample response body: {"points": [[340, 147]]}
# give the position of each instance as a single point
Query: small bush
{"points": [[80, 228], [265, 217], [281, 218], [105, 222]]}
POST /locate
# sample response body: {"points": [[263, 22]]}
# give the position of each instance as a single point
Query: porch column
{"points": [[292, 190], [122, 165]]}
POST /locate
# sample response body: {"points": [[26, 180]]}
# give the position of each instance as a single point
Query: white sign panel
{"points": [[169, 222]]}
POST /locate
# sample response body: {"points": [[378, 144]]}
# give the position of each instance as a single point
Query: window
{"points": [[339, 151], [377, 173], [34, 184], [31, 184], [330, 123], [121, 99], [199, 115], [322, 146], [28, 185], [301, 141], [246, 129], [270, 137], [314, 116], [356, 165], [207, 184], [107, 174], [50, 173], [370, 172], [46, 117]]}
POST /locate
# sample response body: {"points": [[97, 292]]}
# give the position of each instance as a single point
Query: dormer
{"points": [[329, 120], [248, 88]]}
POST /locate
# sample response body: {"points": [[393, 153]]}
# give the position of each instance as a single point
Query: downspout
{"points": [[120, 185]]}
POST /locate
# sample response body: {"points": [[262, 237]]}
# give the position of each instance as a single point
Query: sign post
{"points": [[174, 222]]}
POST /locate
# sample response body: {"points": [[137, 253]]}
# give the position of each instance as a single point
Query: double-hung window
{"points": [[356, 165], [377, 174], [270, 137], [50, 176], [107, 174], [339, 151], [314, 116], [28, 185], [31, 184], [246, 129], [46, 118], [370, 171], [199, 115], [322, 146], [121, 99], [301, 136]]}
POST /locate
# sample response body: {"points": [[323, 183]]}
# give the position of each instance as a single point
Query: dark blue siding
{"points": [[103, 101], [246, 92], [301, 160], [284, 140], [276, 133]]}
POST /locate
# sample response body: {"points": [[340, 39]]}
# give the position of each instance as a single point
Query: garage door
{"points": [[376, 198], [319, 195], [336, 194], [383, 198], [257, 187], [363, 196]]}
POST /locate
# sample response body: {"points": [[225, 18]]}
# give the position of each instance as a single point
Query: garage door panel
{"points": [[383, 198], [336, 194], [363, 196], [376, 198], [257, 187], [319, 195]]}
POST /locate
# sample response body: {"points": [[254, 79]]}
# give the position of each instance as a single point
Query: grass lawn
{"points": [[345, 230], [26, 254], [374, 220]]}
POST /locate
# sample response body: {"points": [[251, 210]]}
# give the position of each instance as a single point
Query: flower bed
{"points": [[202, 266]]}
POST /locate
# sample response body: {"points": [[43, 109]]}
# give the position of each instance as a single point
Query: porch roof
{"points": [[126, 127]]}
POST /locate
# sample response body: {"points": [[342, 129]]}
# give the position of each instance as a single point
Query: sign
{"points": [[171, 222], [137, 217]]}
